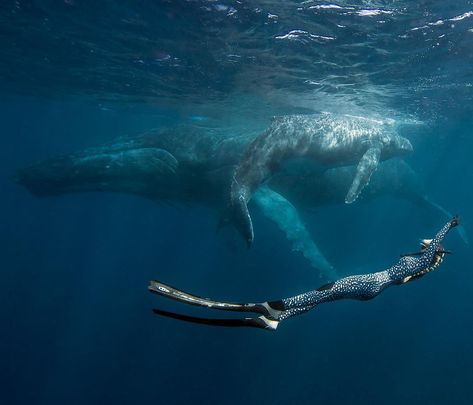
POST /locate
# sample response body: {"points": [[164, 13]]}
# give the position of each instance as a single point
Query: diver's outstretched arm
{"points": [[359, 287]]}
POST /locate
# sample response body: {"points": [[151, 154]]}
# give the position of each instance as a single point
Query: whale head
{"points": [[396, 146]]}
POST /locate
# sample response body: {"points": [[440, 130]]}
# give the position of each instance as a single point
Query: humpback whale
{"points": [[330, 140], [187, 164]]}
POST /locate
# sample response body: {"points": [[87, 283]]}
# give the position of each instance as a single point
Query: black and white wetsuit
{"points": [[358, 287], [367, 286]]}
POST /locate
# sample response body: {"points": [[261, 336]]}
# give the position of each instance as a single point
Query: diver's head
{"points": [[434, 263]]}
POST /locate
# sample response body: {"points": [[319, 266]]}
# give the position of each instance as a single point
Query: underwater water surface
{"points": [[75, 313]]}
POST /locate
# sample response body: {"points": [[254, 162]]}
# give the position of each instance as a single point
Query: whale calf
{"points": [[330, 140]]}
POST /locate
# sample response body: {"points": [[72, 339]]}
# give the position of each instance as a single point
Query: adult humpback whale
{"points": [[190, 165], [331, 140]]}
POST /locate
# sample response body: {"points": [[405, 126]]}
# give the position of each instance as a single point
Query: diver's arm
{"points": [[368, 286], [435, 244], [410, 267]]}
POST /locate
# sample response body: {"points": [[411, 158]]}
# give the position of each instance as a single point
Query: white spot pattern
{"points": [[368, 286]]}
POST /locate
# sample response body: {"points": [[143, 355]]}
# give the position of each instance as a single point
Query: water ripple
{"points": [[383, 55]]}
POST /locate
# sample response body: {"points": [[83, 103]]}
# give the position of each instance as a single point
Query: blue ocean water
{"points": [[76, 317]]}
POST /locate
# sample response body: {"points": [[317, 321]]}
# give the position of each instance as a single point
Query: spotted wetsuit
{"points": [[366, 286], [358, 287]]}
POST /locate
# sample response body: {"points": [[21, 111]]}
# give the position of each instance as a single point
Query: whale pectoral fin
{"points": [[279, 210], [366, 167], [240, 217], [237, 212]]}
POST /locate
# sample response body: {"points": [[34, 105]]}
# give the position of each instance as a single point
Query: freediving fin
{"points": [[261, 322], [186, 298]]}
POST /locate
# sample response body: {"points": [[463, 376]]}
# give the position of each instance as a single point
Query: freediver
{"points": [[358, 287]]}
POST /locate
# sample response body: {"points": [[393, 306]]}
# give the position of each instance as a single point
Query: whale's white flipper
{"points": [[279, 210], [366, 167]]}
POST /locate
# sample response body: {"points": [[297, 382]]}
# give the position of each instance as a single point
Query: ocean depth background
{"points": [[76, 325]]}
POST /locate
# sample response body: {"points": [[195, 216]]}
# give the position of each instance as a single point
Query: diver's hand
{"points": [[455, 221]]}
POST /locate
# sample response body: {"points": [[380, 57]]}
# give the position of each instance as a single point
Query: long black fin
{"points": [[261, 322]]}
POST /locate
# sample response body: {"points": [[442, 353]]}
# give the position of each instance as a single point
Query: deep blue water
{"points": [[76, 320]]}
